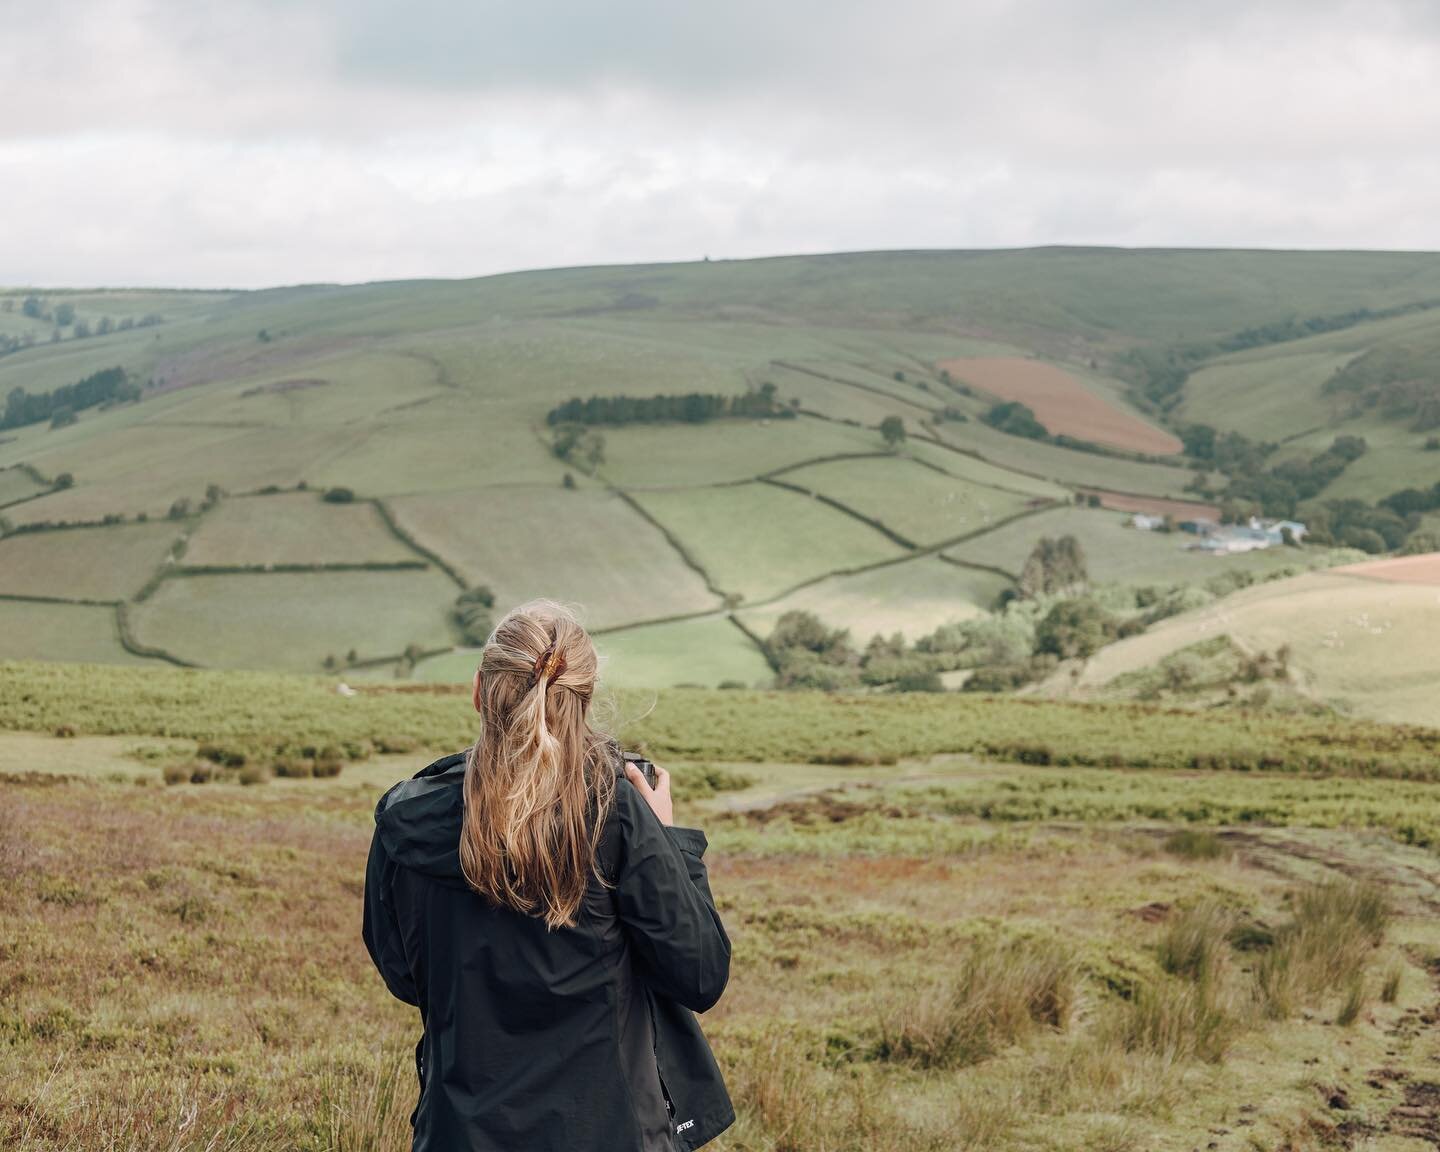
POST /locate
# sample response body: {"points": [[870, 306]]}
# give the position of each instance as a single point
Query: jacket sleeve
{"points": [[664, 901], [381, 930]]}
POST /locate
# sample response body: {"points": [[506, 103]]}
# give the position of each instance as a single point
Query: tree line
{"points": [[674, 408], [109, 385]]}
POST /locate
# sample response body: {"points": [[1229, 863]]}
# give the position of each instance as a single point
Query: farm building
{"points": [[1227, 540], [1147, 523]]}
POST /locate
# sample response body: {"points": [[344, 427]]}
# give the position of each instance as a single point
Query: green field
{"points": [[292, 528], [431, 397], [81, 632], [586, 547], [109, 563], [757, 540], [916, 503], [913, 597], [294, 620], [724, 452], [17, 484], [1117, 553], [706, 651]]}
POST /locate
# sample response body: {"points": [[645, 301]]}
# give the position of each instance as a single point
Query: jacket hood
{"points": [[419, 820]]}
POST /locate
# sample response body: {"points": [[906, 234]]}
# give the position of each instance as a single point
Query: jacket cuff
{"points": [[689, 840]]}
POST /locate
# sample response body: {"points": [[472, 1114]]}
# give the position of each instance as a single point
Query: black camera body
{"points": [[647, 769]]}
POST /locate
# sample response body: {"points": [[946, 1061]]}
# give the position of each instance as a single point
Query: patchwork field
{"points": [[292, 528], [757, 540], [913, 597], [80, 632], [1366, 645], [917, 503], [1062, 403], [586, 547], [965, 466], [725, 451], [1066, 466], [296, 620], [110, 563]]}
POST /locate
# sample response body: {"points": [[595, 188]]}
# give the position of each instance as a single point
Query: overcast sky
{"points": [[258, 142]]}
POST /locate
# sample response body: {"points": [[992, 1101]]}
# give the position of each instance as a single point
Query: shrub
{"points": [[1001, 994], [339, 496], [225, 755], [294, 767], [176, 773], [201, 772], [253, 774], [732, 685], [328, 766]]}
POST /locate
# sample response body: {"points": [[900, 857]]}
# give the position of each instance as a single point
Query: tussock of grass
{"points": [[1194, 944], [1171, 1020], [1335, 929], [1000, 994], [366, 1107]]}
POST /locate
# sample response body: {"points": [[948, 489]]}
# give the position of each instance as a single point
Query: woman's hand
{"points": [[658, 797]]}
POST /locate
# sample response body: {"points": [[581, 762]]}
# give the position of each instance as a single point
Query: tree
{"points": [[82, 330], [568, 480], [1055, 567], [65, 480], [1075, 628], [892, 428], [472, 613], [62, 418], [1015, 419], [32, 307], [65, 314], [339, 496], [105, 327]]}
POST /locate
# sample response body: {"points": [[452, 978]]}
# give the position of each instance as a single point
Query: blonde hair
{"points": [[539, 781]]}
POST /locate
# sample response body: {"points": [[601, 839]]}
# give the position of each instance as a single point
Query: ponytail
{"points": [[538, 783]]}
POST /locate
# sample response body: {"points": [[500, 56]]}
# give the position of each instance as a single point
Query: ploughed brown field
{"points": [[1422, 569], [1062, 403], [1155, 505]]}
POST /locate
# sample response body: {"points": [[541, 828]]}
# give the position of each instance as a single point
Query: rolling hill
{"points": [[312, 475]]}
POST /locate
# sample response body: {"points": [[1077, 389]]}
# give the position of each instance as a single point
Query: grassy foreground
{"points": [[935, 947]]}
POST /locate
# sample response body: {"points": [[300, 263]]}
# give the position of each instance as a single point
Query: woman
{"points": [[532, 899]]}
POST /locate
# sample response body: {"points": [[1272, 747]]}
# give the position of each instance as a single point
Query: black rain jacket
{"points": [[580, 1039]]}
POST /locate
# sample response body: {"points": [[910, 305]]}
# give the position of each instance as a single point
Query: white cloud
{"points": [[272, 141]]}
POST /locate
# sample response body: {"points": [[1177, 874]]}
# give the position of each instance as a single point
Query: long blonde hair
{"points": [[539, 781]]}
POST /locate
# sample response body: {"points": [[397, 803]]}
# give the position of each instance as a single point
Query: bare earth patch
{"points": [[1062, 403], [1422, 569]]}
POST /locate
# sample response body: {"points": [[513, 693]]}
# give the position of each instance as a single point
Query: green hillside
{"points": [[426, 402]]}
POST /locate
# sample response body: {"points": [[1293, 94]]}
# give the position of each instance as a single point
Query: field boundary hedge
{"points": [[390, 521], [880, 527], [674, 542], [136, 648]]}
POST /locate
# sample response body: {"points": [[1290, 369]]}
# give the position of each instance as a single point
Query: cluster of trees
{"points": [[108, 386], [1016, 419], [578, 445], [1279, 490], [684, 408], [1399, 381], [1055, 567], [1255, 489], [63, 316], [807, 654]]}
